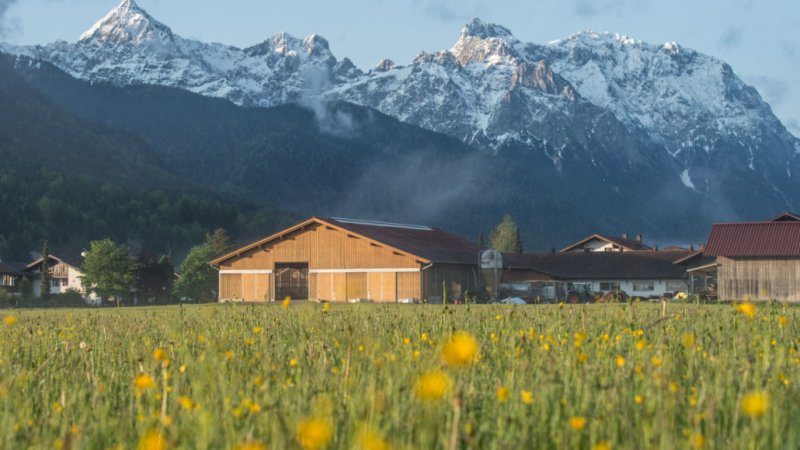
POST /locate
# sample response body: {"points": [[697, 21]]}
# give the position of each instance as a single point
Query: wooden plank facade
{"points": [[775, 278], [322, 261]]}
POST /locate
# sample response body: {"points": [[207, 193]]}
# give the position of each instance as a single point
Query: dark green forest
{"points": [[70, 211]]}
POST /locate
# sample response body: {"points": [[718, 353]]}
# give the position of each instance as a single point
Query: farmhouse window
{"points": [[644, 286], [609, 286]]}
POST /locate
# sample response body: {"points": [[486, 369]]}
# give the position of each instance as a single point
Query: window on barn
{"points": [[644, 286], [7, 280]]}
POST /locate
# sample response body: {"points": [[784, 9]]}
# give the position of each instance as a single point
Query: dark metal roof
{"points": [[626, 243], [601, 265], [11, 268], [432, 244], [770, 239]]}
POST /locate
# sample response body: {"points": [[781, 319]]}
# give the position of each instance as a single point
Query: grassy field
{"points": [[402, 377]]}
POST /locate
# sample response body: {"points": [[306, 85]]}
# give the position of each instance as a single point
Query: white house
{"points": [[64, 277]]}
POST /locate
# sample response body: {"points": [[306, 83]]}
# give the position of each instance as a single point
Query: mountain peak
{"points": [[126, 23], [484, 30]]}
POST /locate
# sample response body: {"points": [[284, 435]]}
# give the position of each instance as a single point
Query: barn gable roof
{"points": [[428, 245], [601, 265], [626, 243], [754, 239]]}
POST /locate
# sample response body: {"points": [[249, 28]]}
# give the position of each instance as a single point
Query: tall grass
{"points": [[214, 377]]}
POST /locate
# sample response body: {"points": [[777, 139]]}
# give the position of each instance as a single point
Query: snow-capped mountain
{"points": [[128, 46], [616, 105]]}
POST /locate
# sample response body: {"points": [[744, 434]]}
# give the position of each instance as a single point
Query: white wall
{"points": [[627, 286]]}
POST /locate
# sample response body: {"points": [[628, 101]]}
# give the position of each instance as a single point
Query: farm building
{"points": [[757, 261], [64, 276], [351, 260], [644, 274], [10, 274], [604, 243]]}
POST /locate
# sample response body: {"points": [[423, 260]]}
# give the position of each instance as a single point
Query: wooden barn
{"points": [[343, 260], [757, 261]]}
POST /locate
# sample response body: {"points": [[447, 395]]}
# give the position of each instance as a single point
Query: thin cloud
{"points": [[732, 38], [6, 25], [775, 91]]}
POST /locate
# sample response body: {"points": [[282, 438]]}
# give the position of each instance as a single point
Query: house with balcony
{"points": [[64, 276]]}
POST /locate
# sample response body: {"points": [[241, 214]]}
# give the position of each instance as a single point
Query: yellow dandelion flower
{"points": [[10, 320], [293, 362], [502, 394], [159, 354], [602, 446], [638, 399], [620, 361], [229, 354], [257, 330], [250, 446], [461, 350], [783, 321], [370, 440], [640, 344], [747, 309], [582, 357], [688, 340], [526, 397], [152, 440], [696, 440], [755, 404], [182, 368], [286, 302], [577, 422], [432, 386], [580, 338], [406, 340], [326, 307], [187, 403], [314, 434], [423, 337], [144, 381], [656, 361]]}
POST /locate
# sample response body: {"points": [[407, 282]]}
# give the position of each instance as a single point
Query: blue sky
{"points": [[760, 39]]}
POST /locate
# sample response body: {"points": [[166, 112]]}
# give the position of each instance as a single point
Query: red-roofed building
{"points": [[351, 260], [757, 260]]}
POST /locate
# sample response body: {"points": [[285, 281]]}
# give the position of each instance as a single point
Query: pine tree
{"points": [[482, 241], [44, 273], [506, 236]]}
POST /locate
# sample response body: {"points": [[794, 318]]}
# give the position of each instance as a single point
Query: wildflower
{"points": [[257, 330], [582, 357], [153, 440], [755, 404], [748, 309], [229, 355], [461, 350], [10, 320], [187, 403], [620, 361], [657, 362], [432, 386], [696, 440], [406, 340], [286, 302], [250, 446], [502, 394], [144, 381], [182, 369], [640, 344], [688, 340], [580, 338], [314, 434], [577, 422], [293, 362], [370, 440], [603, 445], [424, 337], [526, 397], [638, 399], [783, 321], [249, 341], [159, 354]]}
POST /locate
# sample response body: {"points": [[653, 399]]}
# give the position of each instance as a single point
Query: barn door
{"points": [[291, 280], [356, 286]]}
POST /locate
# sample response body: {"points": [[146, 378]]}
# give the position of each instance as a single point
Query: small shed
{"points": [[342, 260], [757, 260]]}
